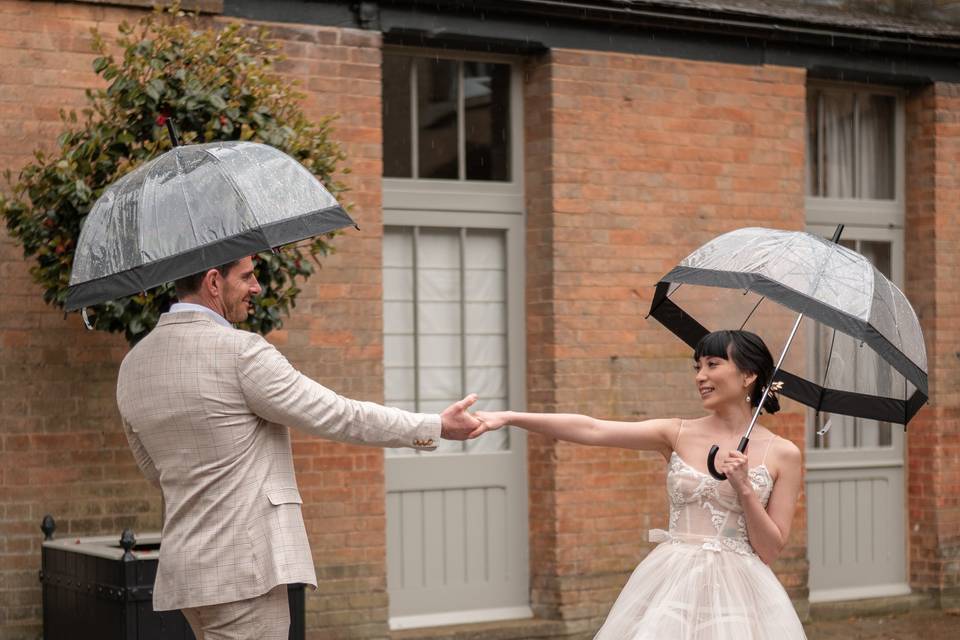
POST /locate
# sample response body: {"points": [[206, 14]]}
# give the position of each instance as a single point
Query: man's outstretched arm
{"points": [[277, 392]]}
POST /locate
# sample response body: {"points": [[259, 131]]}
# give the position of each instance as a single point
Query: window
{"points": [[851, 144], [446, 119], [854, 164], [445, 323]]}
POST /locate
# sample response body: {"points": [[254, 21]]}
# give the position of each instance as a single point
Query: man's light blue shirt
{"points": [[180, 307]]}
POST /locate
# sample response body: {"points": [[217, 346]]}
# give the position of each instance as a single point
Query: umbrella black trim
{"points": [[147, 276], [827, 400], [800, 303]]}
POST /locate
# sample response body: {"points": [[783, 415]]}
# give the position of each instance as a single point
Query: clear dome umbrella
{"points": [[876, 363], [194, 208]]}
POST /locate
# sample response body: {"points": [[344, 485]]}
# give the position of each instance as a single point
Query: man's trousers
{"points": [[265, 617]]}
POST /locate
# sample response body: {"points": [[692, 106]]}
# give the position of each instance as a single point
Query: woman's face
{"points": [[720, 383]]}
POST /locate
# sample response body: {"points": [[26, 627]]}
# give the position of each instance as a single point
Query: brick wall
{"points": [[632, 162], [61, 446], [62, 450], [932, 272]]}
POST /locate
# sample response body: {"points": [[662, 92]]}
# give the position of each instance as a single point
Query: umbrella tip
{"points": [[174, 141], [836, 234], [356, 226]]}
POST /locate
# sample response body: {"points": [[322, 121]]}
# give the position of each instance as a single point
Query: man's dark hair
{"points": [[189, 285], [749, 354]]}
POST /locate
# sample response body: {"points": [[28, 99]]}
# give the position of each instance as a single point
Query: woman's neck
{"points": [[733, 420]]}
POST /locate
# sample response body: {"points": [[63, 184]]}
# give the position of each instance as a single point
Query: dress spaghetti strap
{"points": [[679, 431], [767, 450]]}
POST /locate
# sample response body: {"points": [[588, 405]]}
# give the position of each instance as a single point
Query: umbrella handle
{"points": [[712, 456]]}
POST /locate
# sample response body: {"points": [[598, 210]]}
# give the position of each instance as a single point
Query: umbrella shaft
{"points": [[766, 390]]}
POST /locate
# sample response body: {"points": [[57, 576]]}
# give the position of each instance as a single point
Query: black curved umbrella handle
{"points": [[712, 456]]}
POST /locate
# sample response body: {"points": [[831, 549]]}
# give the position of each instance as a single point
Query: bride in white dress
{"points": [[709, 578]]}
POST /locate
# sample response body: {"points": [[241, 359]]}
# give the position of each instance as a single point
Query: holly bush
{"points": [[215, 83]]}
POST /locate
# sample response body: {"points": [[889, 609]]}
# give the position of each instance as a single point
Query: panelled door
{"points": [[855, 485], [855, 472], [457, 548]]}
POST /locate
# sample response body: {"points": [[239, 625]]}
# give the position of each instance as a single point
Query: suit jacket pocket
{"points": [[285, 495], [284, 550]]}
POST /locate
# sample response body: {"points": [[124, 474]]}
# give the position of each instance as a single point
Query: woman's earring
{"points": [[748, 398]]}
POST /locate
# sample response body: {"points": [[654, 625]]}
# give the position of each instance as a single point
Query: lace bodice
{"points": [[706, 511]]}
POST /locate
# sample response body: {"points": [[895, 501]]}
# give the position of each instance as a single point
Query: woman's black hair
{"points": [[749, 354]]}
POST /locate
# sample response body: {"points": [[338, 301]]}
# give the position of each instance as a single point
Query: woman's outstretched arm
{"points": [[648, 435]]}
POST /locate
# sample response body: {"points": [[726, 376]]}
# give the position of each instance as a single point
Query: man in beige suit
{"points": [[206, 409]]}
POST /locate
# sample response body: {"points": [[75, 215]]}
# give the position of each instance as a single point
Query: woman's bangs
{"points": [[713, 345]]}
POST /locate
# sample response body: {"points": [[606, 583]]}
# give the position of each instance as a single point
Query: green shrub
{"points": [[216, 84]]}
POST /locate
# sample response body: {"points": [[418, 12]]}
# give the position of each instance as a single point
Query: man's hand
{"points": [[457, 424]]}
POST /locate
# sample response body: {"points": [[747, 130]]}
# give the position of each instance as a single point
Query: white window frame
{"points": [[864, 212]]}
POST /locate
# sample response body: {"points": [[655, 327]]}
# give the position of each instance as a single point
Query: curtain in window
{"points": [[851, 145], [445, 323]]}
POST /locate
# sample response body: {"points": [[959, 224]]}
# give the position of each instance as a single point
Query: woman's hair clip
{"points": [[775, 387]]}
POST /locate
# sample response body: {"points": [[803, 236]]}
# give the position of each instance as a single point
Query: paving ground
{"points": [[924, 624]]}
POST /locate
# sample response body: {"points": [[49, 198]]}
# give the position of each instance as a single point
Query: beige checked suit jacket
{"points": [[206, 409]]}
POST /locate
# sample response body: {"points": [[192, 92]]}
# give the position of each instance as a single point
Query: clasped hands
{"points": [[456, 423]]}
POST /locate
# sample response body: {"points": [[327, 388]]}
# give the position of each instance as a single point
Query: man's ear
{"points": [[212, 282]]}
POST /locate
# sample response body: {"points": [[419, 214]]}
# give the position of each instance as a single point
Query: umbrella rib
{"points": [[750, 315], [186, 202], [893, 312], [826, 371]]}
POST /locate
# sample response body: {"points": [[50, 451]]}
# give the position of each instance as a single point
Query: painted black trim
{"points": [[795, 387], [824, 50], [147, 276], [329, 13]]}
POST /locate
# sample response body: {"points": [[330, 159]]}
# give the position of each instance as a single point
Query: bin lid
{"points": [[146, 548]]}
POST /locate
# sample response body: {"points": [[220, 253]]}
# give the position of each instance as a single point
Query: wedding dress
{"points": [[704, 581]]}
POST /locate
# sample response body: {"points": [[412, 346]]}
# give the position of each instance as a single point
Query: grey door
{"points": [[855, 471], [457, 517]]}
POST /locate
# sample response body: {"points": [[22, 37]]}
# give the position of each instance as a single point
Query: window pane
{"points": [[876, 153], [878, 252], [434, 363], [396, 117], [813, 148], [437, 118], [838, 145], [486, 99], [485, 326], [439, 314]]}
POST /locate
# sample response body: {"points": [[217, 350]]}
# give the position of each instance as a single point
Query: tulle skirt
{"points": [[684, 591]]}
